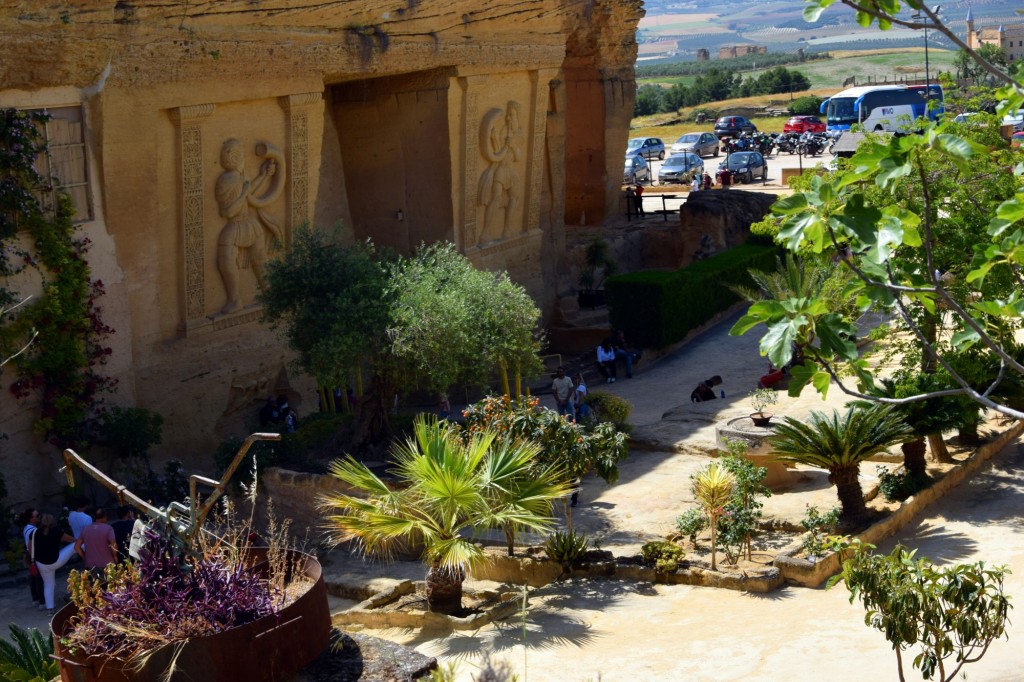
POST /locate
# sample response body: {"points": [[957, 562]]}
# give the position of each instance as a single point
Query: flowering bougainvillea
{"points": [[63, 363]]}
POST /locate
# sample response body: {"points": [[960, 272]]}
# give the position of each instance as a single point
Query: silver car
{"points": [[649, 147], [701, 144], [679, 169], [636, 170]]}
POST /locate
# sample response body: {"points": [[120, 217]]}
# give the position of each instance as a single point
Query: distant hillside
{"points": [[674, 30]]}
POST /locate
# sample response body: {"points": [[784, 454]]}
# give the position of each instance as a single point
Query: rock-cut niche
{"points": [[395, 153]]}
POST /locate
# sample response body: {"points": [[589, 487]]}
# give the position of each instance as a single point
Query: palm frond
{"points": [[839, 441]]}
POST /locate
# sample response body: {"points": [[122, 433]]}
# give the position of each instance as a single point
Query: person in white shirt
{"points": [[695, 185], [606, 360], [579, 395]]}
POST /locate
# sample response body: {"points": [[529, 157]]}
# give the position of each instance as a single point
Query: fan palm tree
{"points": [[712, 486], [840, 444], [447, 488]]}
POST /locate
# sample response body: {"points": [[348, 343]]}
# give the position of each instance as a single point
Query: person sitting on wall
{"points": [[622, 352], [706, 390], [606, 360]]}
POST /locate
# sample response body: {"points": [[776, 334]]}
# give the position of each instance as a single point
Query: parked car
{"points": [[745, 165], [804, 124], [680, 168], [701, 144], [636, 170], [650, 147], [732, 126], [1017, 140]]}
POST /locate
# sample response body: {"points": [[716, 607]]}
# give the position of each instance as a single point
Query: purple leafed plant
{"points": [[171, 598]]}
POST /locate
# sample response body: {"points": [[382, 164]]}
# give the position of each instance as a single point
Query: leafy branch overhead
{"points": [[931, 228]]}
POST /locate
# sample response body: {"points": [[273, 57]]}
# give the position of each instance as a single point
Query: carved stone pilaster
{"points": [[539, 94], [470, 87], [297, 108], [189, 121]]}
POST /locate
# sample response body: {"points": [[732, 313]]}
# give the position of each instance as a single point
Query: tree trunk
{"points": [[968, 434], [913, 457], [938, 447], [510, 539], [375, 412], [444, 589], [851, 497]]}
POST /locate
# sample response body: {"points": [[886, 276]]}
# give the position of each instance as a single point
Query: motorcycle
{"points": [[811, 144], [788, 142], [764, 143]]}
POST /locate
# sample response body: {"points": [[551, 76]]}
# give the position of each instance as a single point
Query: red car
{"points": [[803, 124]]}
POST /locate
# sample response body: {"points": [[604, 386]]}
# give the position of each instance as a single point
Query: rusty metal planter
{"points": [[271, 648]]}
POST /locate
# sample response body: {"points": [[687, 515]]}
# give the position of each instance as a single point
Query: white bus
{"points": [[893, 108]]}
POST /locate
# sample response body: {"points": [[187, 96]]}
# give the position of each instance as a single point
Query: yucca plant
{"points": [[712, 486], [28, 658], [566, 548], [840, 444], [447, 488]]}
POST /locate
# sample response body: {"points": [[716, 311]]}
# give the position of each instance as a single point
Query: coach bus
{"points": [[892, 108]]}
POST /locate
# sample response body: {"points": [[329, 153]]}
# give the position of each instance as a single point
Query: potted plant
{"points": [[761, 398], [598, 265]]}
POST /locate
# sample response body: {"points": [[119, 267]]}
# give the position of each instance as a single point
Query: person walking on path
{"points": [[48, 555], [29, 521], [579, 396], [123, 530], [562, 388], [97, 544], [79, 519], [706, 180], [638, 197], [695, 185]]}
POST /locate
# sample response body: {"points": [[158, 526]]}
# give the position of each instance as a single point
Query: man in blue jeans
{"points": [[562, 388], [623, 353]]}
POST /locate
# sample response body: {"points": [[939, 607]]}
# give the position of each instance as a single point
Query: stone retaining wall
{"points": [[812, 574]]}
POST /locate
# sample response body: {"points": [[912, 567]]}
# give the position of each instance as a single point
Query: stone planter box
{"points": [[535, 570], [813, 573]]}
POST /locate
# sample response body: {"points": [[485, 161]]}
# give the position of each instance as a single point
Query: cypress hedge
{"points": [[658, 308]]}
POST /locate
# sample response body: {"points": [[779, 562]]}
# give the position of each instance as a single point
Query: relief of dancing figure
{"points": [[250, 231], [499, 184]]}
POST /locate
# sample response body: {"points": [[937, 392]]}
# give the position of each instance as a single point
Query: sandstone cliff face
{"points": [[486, 124]]}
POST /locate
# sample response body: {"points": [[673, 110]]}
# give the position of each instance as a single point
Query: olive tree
{"points": [[426, 321]]}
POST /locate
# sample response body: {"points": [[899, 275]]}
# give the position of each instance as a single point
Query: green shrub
{"points": [[819, 526], [808, 105], [28, 658], [566, 548], [659, 308], [897, 487], [608, 407], [132, 431], [692, 523], [664, 556]]}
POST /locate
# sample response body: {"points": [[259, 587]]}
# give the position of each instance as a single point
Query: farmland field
{"points": [[877, 65]]}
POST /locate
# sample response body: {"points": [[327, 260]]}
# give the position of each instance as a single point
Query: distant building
{"points": [[733, 51], [703, 54], [1009, 38]]}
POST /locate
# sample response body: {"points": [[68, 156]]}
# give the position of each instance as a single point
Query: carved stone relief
{"points": [[297, 107], [250, 230], [190, 142], [499, 188], [254, 388]]}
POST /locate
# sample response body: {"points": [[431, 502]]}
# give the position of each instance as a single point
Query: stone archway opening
{"points": [[393, 135]]}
